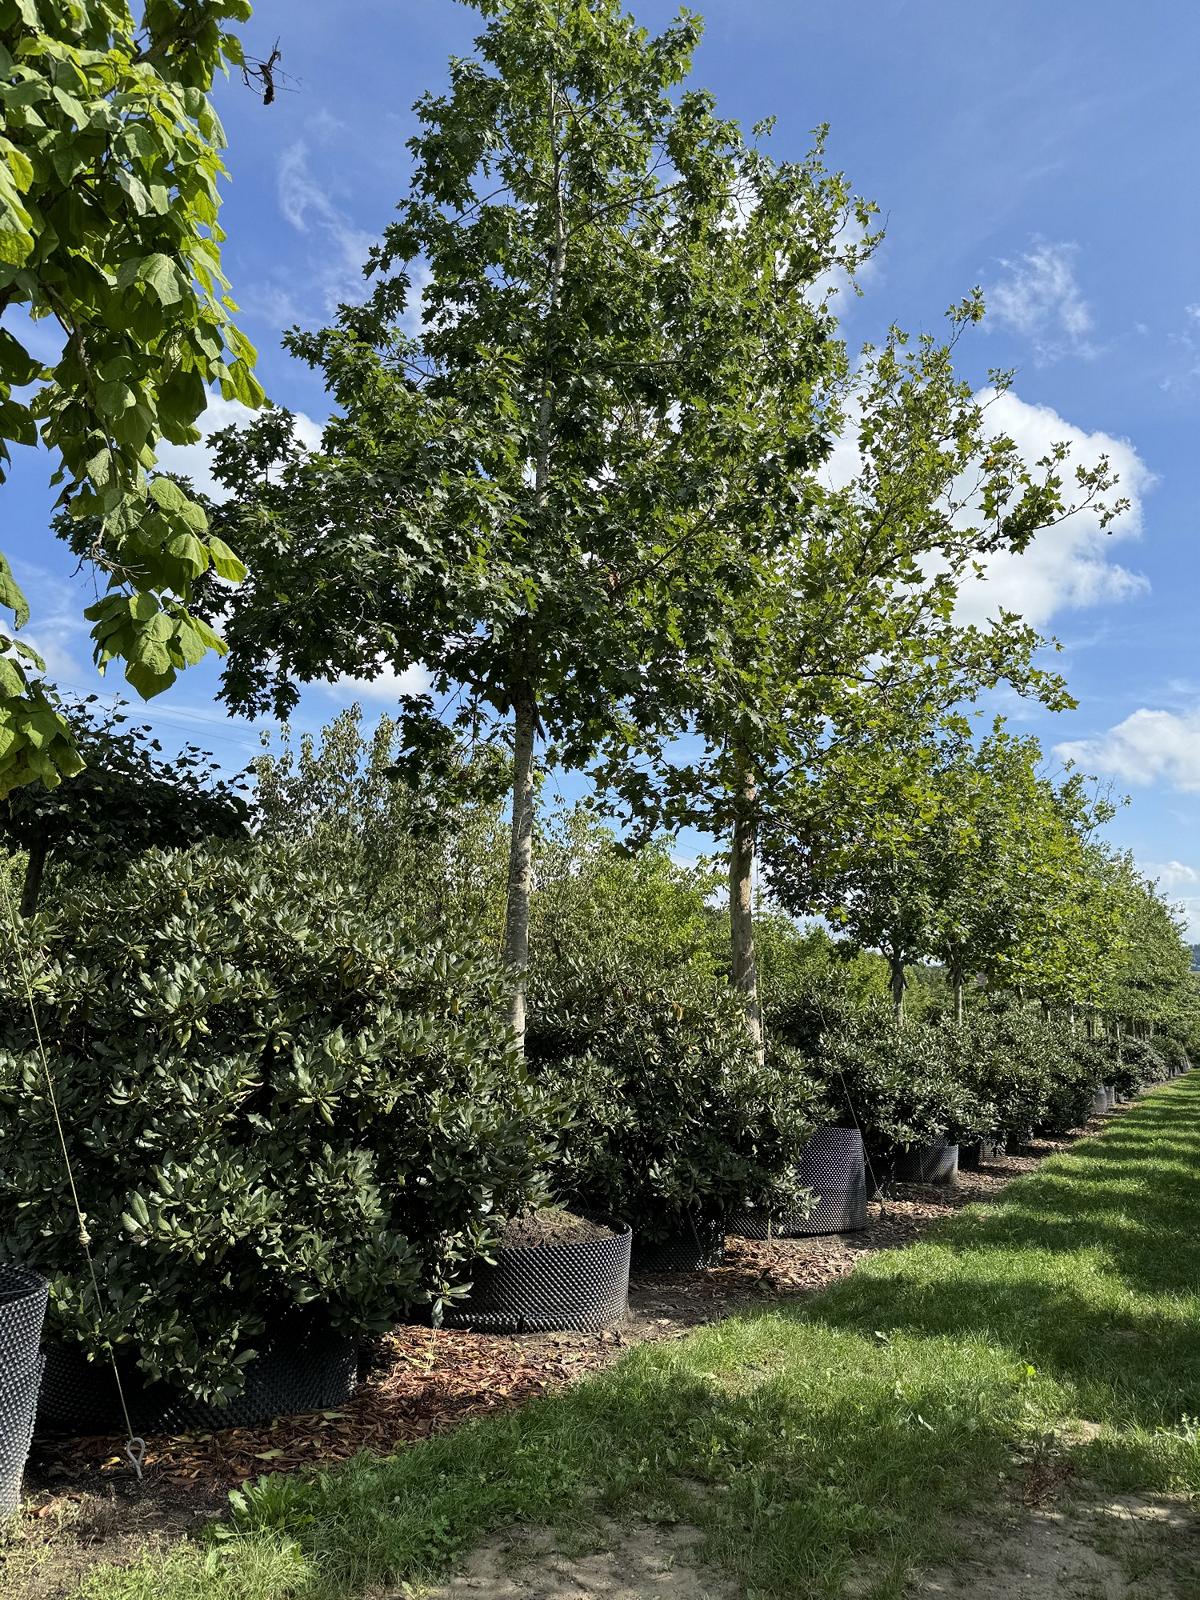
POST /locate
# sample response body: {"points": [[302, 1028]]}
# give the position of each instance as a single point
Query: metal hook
{"points": [[135, 1449]]}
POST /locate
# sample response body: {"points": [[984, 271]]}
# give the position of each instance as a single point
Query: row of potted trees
{"points": [[292, 1126]]}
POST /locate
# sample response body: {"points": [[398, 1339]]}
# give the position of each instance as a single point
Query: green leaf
{"points": [[160, 273], [11, 595], [226, 564]]}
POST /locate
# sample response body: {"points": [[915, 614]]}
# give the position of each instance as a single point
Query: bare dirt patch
{"points": [[630, 1563], [46, 1553], [1087, 1548]]}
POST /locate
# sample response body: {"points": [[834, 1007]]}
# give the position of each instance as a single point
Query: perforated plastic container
{"points": [[834, 1168], [981, 1154], [933, 1163], [22, 1309], [308, 1373], [695, 1247], [580, 1284]]}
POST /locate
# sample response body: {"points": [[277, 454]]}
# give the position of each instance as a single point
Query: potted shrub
{"points": [[898, 1081], [1077, 1070], [676, 1125], [289, 1126], [549, 1270], [1138, 1065], [1005, 1055], [833, 1173], [22, 1309]]}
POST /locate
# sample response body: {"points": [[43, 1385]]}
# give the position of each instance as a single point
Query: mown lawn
{"points": [[832, 1444]]}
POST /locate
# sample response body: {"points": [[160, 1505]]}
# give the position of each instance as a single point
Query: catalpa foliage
{"points": [[110, 156]]}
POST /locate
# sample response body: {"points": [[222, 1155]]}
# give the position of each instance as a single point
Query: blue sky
{"points": [[1045, 152]]}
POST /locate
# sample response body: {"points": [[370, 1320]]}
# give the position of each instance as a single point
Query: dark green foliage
{"points": [[1138, 1064], [898, 1081], [675, 1122], [126, 800], [274, 1107], [810, 983], [1174, 1051], [1026, 1072]]}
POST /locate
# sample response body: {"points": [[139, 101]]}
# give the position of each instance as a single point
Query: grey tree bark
{"points": [[744, 962]]}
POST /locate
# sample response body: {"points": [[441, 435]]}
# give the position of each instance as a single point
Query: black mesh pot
{"points": [[581, 1285], [22, 1308], [694, 1248], [936, 1163], [834, 1167], [982, 1153], [307, 1373]]}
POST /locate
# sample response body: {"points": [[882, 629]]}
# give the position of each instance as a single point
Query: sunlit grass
{"points": [[829, 1446]]}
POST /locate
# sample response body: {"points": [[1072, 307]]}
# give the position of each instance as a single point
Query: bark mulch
{"points": [[424, 1381]]}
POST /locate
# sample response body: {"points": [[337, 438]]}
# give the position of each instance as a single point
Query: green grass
{"points": [[834, 1443]]}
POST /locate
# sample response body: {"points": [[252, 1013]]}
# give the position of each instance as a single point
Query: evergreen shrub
{"points": [[279, 1112]]}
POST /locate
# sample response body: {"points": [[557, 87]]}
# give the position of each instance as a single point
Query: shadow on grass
{"points": [[834, 1441]]}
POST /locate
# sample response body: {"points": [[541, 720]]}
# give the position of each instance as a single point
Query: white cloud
{"points": [[58, 630], [1069, 566], [1040, 298], [338, 248], [1172, 875], [1147, 747], [388, 686], [194, 461]]}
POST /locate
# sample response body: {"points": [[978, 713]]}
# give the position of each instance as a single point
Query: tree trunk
{"points": [[34, 869], [899, 984], [525, 715], [520, 861], [958, 983], [741, 907]]}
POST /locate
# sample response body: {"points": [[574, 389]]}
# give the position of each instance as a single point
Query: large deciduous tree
{"points": [[109, 165], [516, 496], [961, 852], [843, 631]]}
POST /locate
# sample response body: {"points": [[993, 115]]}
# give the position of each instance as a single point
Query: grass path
{"points": [[824, 1451]]}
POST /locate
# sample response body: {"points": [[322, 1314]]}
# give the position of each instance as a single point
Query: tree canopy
{"points": [[513, 498], [109, 168]]}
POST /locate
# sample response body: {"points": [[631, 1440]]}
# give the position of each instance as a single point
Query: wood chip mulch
{"points": [[426, 1381]]}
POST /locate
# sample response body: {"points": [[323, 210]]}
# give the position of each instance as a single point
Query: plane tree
{"points": [[511, 496]]}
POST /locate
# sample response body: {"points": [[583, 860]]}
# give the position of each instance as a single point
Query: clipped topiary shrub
{"points": [[277, 1111], [675, 1124]]}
